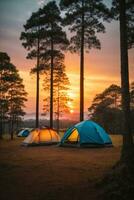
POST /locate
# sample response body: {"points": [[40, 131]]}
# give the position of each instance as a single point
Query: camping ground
{"points": [[51, 172]]}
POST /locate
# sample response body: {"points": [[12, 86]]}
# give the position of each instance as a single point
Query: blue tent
{"points": [[24, 132], [86, 133]]}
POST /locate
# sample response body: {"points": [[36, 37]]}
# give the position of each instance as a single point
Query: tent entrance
{"points": [[73, 138]]}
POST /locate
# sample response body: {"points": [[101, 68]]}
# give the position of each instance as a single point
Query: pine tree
{"points": [[32, 38], [123, 10], [12, 93], [84, 20], [16, 98], [61, 85], [5, 69], [129, 10], [60, 91], [110, 97], [127, 136], [55, 41], [44, 38], [106, 109]]}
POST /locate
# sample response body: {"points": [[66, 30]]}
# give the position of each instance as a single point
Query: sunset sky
{"points": [[102, 67]]}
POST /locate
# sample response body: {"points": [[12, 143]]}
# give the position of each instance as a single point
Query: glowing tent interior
{"points": [[41, 136]]}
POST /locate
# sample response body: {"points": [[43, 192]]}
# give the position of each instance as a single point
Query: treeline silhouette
{"points": [[12, 96], [106, 109]]}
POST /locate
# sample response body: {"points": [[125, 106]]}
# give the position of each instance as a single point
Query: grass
{"points": [[51, 172]]}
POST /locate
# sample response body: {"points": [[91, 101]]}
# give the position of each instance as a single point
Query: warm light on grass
{"points": [[28, 164]]}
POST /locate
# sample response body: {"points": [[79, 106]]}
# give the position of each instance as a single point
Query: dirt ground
{"points": [[53, 173]]}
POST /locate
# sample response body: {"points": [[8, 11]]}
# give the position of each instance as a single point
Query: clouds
{"points": [[41, 2]]}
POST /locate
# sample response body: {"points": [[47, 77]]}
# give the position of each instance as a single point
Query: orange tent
{"points": [[41, 137]]}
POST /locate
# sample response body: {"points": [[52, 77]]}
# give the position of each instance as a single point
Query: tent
{"points": [[41, 137], [86, 133], [24, 132]]}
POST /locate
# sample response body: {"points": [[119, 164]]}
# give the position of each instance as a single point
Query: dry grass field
{"points": [[53, 173]]}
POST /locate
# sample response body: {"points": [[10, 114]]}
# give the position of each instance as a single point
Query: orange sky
{"points": [[102, 67], [101, 70]]}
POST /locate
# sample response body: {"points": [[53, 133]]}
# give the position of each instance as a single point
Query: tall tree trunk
{"points": [[58, 111], [1, 128], [37, 84], [11, 118], [82, 67], [12, 127], [17, 123], [127, 135], [1, 113], [51, 82]]}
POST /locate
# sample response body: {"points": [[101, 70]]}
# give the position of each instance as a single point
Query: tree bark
{"points": [[82, 67], [51, 83], [127, 135], [1, 128], [37, 85], [11, 117], [12, 127], [1, 113], [58, 111]]}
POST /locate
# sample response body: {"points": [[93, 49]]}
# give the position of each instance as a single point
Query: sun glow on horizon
{"points": [[72, 95], [71, 111]]}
